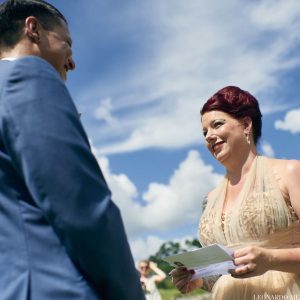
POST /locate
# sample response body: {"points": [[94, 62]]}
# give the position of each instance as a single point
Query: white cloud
{"points": [[179, 201], [291, 121], [104, 111], [143, 247], [195, 49], [280, 14], [176, 129], [267, 149], [163, 207]]}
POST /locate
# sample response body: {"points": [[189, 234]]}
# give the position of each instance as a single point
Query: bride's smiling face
{"points": [[224, 135]]}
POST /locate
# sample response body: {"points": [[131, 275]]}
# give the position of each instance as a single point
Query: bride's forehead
{"points": [[214, 114]]}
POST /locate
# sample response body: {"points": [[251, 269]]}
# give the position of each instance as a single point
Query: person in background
{"points": [[61, 235], [148, 281], [255, 210]]}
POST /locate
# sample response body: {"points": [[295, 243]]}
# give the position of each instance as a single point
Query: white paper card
{"points": [[211, 260]]}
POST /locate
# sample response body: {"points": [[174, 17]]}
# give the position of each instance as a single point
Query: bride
{"points": [[255, 210]]}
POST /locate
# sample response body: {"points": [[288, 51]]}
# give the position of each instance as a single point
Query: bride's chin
{"points": [[221, 157], [217, 154]]}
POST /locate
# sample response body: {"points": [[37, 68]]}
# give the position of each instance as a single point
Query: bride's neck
{"points": [[237, 171]]}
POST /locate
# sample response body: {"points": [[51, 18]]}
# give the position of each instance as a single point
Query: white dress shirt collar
{"points": [[8, 58]]}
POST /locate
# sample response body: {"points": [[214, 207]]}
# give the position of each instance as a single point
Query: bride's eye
{"points": [[217, 124]]}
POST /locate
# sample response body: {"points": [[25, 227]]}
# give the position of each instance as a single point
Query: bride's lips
{"points": [[216, 146]]}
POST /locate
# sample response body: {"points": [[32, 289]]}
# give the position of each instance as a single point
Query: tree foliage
{"points": [[171, 248]]}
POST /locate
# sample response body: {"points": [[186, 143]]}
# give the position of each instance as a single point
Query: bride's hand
{"points": [[181, 277], [251, 261]]}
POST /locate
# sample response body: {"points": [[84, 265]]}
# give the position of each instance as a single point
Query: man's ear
{"points": [[32, 29], [247, 123]]}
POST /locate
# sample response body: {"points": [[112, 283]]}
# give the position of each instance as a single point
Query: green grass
{"points": [[170, 294]]}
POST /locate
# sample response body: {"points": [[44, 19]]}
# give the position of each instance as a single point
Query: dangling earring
{"points": [[248, 138]]}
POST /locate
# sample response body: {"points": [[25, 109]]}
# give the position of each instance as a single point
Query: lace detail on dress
{"points": [[260, 210], [223, 216], [209, 282], [294, 216], [262, 217], [204, 203], [288, 202], [251, 216]]}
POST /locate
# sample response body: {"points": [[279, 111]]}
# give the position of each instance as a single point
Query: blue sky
{"points": [[144, 69]]}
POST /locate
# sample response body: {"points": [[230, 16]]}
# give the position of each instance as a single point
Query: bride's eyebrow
{"points": [[217, 120], [214, 121]]}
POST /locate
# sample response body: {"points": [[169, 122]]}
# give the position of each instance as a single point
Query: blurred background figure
{"points": [[149, 280]]}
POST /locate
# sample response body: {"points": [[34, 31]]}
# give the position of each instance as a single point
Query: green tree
{"points": [[171, 248], [192, 244]]}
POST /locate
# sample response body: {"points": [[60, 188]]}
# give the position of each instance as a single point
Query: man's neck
{"points": [[8, 58], [21, 49]]}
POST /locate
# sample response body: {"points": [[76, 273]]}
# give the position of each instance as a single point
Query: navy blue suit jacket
{"points": [[61, 236]]}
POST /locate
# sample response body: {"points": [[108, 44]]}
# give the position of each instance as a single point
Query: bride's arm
{"points": [[257, 260], [288, 260]]}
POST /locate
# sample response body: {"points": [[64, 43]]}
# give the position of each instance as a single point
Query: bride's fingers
{"points": [[243, 272], [182, 285], [178, 271]]}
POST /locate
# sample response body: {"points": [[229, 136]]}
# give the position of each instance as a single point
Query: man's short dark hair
{"points": [[14, 12]]}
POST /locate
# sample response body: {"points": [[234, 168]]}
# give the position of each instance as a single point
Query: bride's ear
{"points": [[247, 123]]}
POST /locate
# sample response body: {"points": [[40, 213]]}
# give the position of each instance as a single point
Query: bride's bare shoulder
{"points": [[286, 167]]}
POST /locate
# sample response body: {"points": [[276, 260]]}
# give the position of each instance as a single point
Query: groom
{"points": [[61, 236]]}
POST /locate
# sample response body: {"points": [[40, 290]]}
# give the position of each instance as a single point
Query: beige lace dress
{"points": [[262, 217]]}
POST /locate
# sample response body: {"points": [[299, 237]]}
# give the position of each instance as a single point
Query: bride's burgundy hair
{"points": [[237, 103]]}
